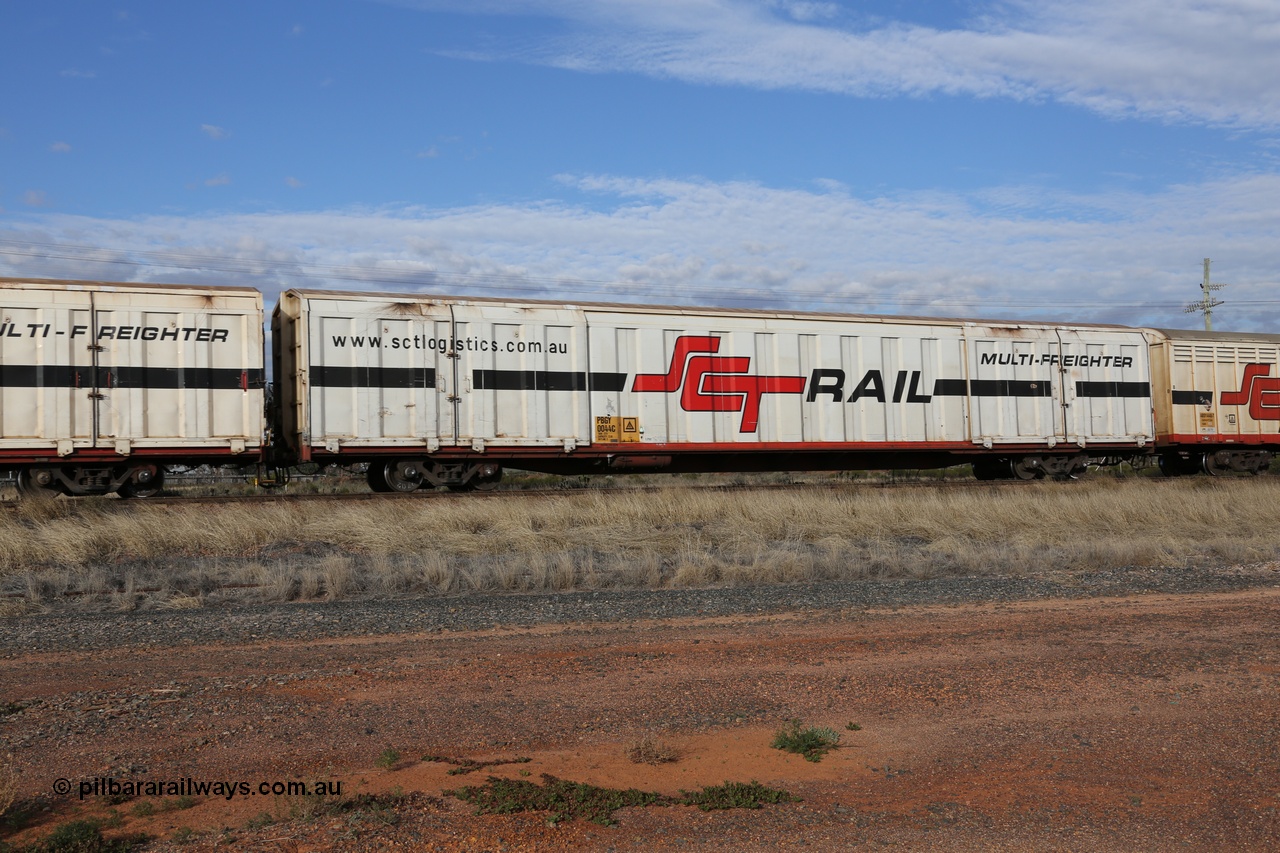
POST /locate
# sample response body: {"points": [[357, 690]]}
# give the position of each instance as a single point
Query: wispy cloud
{"points": [[1020, 252], [214, 132], [60, 148], [36, 198], [78, 73], [218, 180], [293, 183], [1204, 61]]}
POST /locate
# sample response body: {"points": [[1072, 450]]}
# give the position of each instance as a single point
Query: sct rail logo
{"points": [[1260, 390], [712, 383]]}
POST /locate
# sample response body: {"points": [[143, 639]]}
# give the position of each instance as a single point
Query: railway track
{"points": [[9, 500]]}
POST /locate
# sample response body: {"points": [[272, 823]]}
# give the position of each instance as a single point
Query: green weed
{"points": [[463, 766], [568, 800], [736, 795], [812, 742], [85, 836]]}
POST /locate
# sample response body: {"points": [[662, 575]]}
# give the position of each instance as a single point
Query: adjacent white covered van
{"points": [[104, 383]]}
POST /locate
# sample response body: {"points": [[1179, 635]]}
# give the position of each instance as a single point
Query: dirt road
{"points": [[1140, 723]]}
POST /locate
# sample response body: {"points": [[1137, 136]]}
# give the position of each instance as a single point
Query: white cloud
{"points": [[294, 183], [36, 198], [218, 180], [78, 73], [1208, 61], [1006, 252], [60, 148], [214, 132]]}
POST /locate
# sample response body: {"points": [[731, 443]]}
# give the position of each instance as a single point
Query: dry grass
{"points": [[8, 783], [127, 555], [654, 750]]}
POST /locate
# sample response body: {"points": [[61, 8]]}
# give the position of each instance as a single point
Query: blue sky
{"points": [[1041, 160]]}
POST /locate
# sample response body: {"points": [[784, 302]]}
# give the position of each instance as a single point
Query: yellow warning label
{"points": [[1208, 423], [615, 430]]}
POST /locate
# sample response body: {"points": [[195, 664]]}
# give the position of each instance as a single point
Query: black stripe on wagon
{"points": [[951, 388], [44, 376], [64, 376], [546, 380], [991, 388], [331, 376], [1193, 398], [211, 378], [1113, 389]]}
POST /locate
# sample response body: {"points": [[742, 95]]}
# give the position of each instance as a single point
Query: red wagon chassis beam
{"points": [[1200, 443], [181, 455], [320, 453]]}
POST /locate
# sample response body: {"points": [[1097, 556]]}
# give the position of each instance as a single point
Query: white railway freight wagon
{"points": [[103, 384], [445, 391]]}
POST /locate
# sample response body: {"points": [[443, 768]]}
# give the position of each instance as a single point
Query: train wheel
{"points": [[1216, 464], [29, 489], [1028, 468], [488, 477], [402, 476], [145, 483]]}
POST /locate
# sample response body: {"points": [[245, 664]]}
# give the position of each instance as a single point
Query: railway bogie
{"points": [[1187, 463]]}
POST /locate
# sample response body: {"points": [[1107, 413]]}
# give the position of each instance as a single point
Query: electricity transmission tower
{"points": [[1207, 303]]}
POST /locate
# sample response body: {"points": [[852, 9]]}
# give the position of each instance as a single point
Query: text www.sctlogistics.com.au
{"points": [[228, 789]]}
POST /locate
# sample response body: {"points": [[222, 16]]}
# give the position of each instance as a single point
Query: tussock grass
{"points": [[8, 783], [565, 800], [97, 552]]}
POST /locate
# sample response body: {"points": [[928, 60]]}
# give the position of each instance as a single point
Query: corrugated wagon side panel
{"points": [[716, 379]]}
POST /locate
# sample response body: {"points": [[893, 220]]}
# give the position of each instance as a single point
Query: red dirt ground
{"points": [[1146, 723]]}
